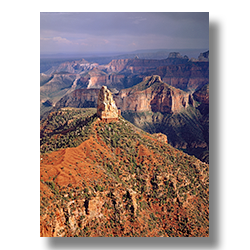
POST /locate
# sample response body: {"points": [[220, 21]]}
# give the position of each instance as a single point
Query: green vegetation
{"points": [[174, 175], [66, 128], [146, 188]]}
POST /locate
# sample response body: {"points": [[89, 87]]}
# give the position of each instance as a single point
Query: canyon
{"points": [[176, 70], [157, 107], [152, 94], [168, 96]]}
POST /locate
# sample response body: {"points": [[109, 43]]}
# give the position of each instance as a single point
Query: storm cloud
{"points": [[122, 31]]}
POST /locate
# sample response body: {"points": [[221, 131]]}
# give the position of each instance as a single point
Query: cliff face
{"points": [[202, 95], [150, 95], [132, 65], [117, 65], [187, 130], [74, 67], [155, 104], [56, 86], [188, 76], [176, 71], [57, 83], [153, 95], [97, 78], [141, 65], [80, 98], [157, 107]]}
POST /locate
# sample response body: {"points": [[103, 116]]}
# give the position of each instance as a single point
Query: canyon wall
{"points": [[188, 77], [150, 95], [153, 95], [79, 98]]}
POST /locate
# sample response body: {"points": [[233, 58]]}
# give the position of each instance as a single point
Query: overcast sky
{"points": [[89, 32]]}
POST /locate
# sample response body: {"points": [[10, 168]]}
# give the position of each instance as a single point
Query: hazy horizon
{"points": [[189, 52]]}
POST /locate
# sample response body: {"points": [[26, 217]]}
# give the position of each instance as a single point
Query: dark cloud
{"points": [[134, 27]]}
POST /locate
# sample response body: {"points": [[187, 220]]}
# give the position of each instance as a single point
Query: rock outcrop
{"points": [[204, 56], [202, 95], [175, 55], [96, 78], [188, 77], [74, 67], [106, 108], [80, 98], [135, 66], [153, 95], [117, 65], [161, 137]]}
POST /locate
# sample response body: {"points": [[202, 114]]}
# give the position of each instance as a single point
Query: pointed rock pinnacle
{"points": [[106, 107]]}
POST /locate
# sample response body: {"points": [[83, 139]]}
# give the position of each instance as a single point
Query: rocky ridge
{"points": [[79, 98], [74, 67], [154, 95], [117, 181], [188, 77], [176, 70], [96, 78], [156, 107]]}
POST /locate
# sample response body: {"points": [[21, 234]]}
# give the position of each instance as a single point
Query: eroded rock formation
{"points": [[80, 98], [106, 108], [97, 78], [150, 95], [153, 95]]}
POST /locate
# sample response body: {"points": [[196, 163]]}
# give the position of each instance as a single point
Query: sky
{"points": [[107, 32]]}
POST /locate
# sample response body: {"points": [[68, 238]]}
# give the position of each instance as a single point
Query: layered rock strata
{"points": [[153, 95], [80, 98], [150, 95], [106, 108]]}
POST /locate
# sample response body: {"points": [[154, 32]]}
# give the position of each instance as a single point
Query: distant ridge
{"points": [[189, 52]]}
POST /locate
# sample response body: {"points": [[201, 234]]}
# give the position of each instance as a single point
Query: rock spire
{"points": [[106, 108]]}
